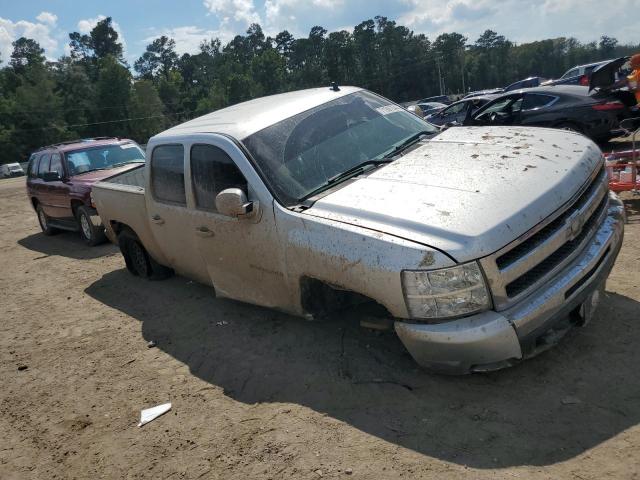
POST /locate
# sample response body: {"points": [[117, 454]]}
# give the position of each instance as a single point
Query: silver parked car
{"points": [[483, 244]]}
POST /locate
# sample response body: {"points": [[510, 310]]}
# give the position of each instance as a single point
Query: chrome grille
{"points": [[518, 268], [530, 278], [538, 238]]}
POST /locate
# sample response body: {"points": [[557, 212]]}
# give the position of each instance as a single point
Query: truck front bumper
{"points": [[493, 340]]}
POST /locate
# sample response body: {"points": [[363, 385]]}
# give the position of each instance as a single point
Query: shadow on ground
{"points": [[66, 244], [546, 410]]}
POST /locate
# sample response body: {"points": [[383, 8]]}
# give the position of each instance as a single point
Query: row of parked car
{"points": [[483, 245], [579, 101]]}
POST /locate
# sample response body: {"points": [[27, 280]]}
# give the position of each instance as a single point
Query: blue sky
{"points": [[191, 21]]}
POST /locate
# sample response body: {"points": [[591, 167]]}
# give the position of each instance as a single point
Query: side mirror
{"points": [[233, 202], [51, 177]]}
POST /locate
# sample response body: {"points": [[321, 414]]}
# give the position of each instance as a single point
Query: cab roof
{"points": [[244, 119]]}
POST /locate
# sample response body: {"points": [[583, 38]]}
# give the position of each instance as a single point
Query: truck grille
{"points": [[518, 268]]}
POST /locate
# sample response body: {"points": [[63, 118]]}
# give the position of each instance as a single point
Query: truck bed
{"points": [[120, 201], [135, 177]]}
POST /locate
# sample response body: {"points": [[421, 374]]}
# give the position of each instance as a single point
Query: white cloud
{"points": [[240, 12], [286, 14], [48, 18], [189, 38], [40, 31], [523, 20]]}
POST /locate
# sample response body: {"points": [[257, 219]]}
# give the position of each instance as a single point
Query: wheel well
{"points": [[119, 227], [34, 202], [75, 204], [321, 298]]}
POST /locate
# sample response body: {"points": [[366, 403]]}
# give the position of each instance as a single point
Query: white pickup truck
{"points": [[483, 245]]}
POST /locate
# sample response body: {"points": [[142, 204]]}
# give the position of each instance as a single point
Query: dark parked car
{"points": [[530, 82], [439, 99], [581, 75], [572, 107], [431, 107], [483, 93], [59, 180], [458, 112]]}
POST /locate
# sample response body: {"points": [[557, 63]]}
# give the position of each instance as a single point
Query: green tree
{"points": [[26, 55], [146, 110], [159, 58], [113, 90]]}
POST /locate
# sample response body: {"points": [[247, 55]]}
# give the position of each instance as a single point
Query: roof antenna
{"points": [[335, 87]]}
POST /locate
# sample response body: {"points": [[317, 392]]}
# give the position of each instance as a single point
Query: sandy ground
{"points": [[258, 394]]}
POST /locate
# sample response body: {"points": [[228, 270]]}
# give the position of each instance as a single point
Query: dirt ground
{"points": [[258, 394]]}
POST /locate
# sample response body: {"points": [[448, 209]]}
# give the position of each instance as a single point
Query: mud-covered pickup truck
{"points": [[483, 244]]}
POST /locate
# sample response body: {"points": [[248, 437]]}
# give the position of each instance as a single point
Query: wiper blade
{"points": [[355, 170], [121, 164], [346, 175], [415, 138]]}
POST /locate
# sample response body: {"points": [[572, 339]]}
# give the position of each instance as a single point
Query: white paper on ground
{"points": [[152, 413]]}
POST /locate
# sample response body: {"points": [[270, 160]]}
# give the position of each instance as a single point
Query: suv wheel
{"points": [[91, 234], [43, 220]]}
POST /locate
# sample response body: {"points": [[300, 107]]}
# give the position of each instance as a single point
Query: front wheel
{"points": [[91, 234]]}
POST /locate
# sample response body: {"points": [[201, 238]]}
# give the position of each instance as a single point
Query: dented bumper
{"points": [[493, 340]]}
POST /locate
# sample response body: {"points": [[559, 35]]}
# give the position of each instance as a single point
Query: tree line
{"points": [[94, 92]]}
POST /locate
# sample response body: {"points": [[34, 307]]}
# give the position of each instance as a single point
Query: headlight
{"points": [[446, 293]]}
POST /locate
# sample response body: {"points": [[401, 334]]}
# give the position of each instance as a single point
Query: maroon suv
{"points": [[59, 180]]}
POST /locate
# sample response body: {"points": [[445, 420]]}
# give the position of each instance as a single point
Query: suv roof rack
{"points": [[79, 140]]}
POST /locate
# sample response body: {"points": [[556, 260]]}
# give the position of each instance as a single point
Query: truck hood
{"points": [[469, 191]]}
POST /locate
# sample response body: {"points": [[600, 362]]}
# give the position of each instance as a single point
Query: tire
{"points": [[91, 234], [43, 220], [138, 260]]}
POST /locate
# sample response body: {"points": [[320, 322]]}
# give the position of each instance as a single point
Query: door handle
{"points": [[157, 219], [204, 232]]}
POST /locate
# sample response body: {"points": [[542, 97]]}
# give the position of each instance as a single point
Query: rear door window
{"points": [[534, 101], [56, 164], [44, 164], [167, 174], [213, 171]]}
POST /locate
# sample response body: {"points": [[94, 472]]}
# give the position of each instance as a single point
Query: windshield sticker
{"points": [[128, 145], [388, 109]]}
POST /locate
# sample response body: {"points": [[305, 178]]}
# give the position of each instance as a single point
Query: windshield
{"points": [[103, 157], [300, 154]]}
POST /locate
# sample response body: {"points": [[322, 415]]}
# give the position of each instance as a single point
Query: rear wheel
{"points": [[138, 260], [43, 220], [91, 234]]}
